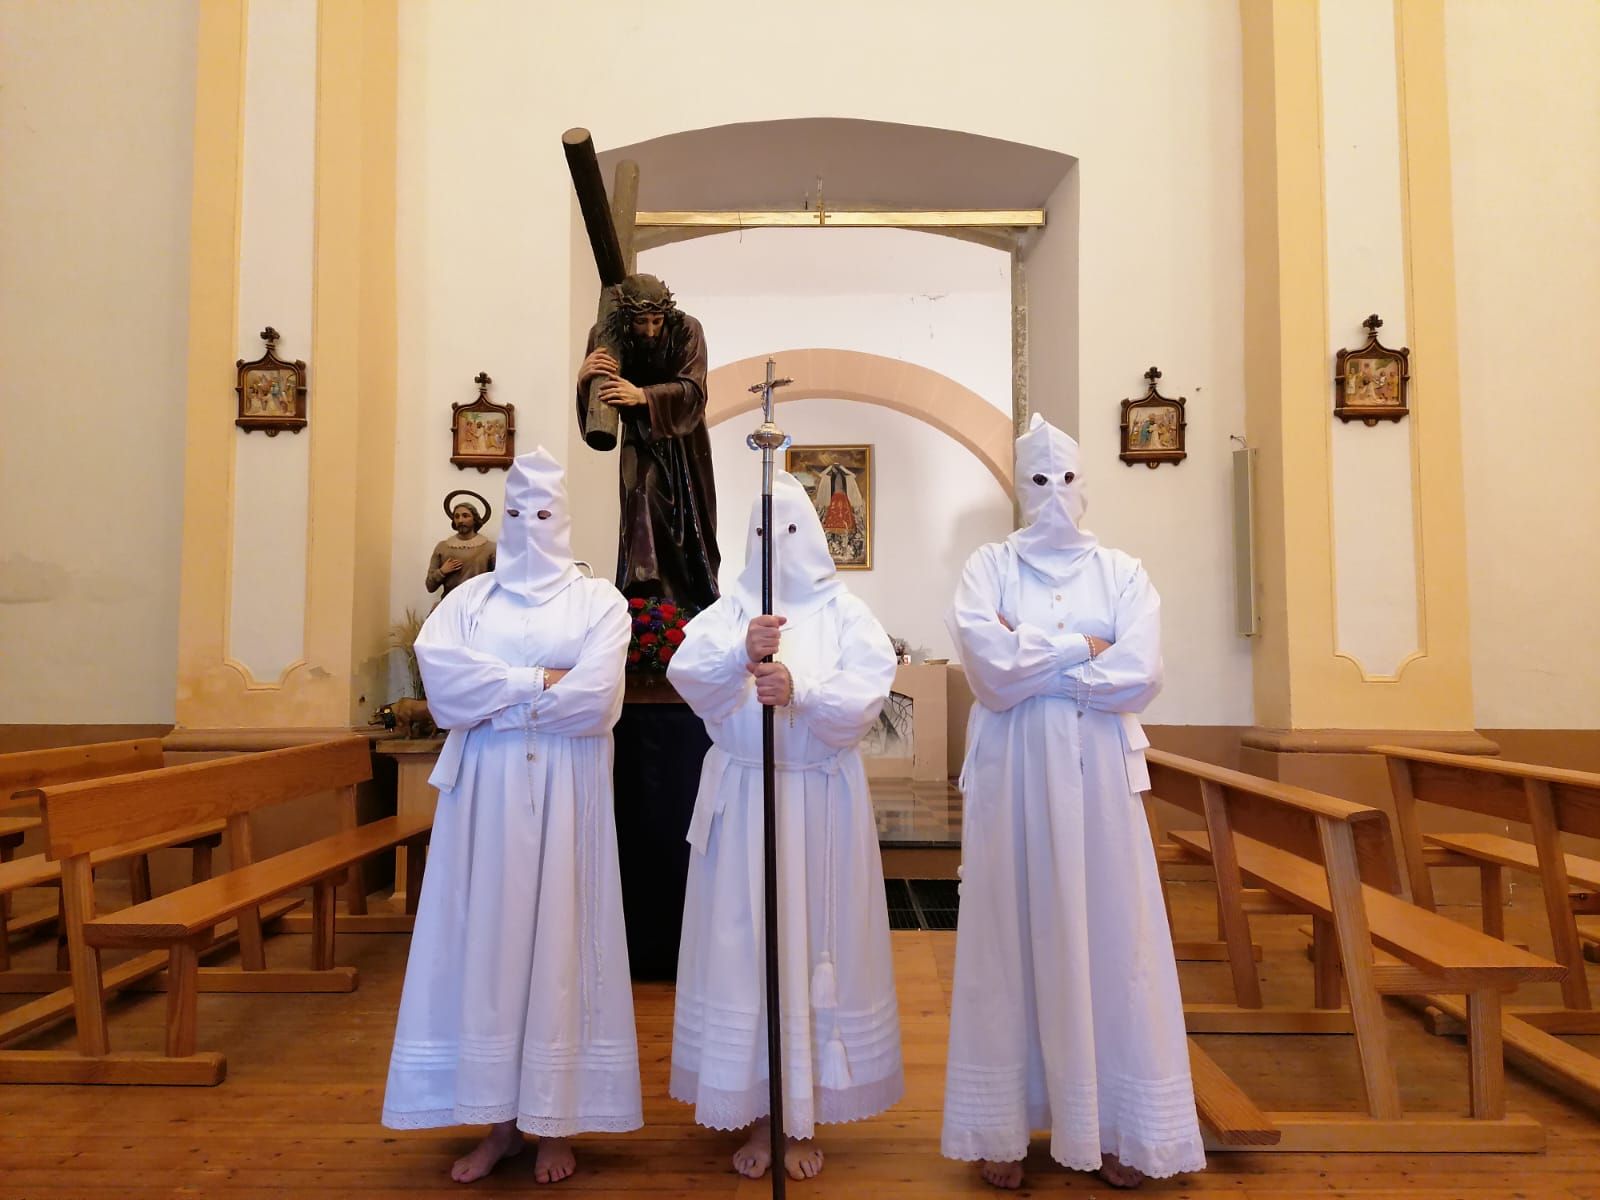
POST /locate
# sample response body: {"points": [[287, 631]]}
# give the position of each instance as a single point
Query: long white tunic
{"points": [[841, 1032], [517, 1000], [1066, 1013]]}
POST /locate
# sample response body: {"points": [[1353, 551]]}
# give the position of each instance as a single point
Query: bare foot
{"points": [[1118, 1174], [754, 1157], [802, 1159], [1001, 1174], [554, 1161], [502, 1141]]}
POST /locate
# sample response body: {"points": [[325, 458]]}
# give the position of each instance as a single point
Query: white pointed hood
{"points": [[534, 555], [804, 577], [1050, 494]]}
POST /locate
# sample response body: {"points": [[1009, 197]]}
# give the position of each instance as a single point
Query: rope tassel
{"points": [[835, 1065], [824, 987]]}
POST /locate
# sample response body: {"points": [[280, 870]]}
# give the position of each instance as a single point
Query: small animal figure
{"points": [[410, 717]]}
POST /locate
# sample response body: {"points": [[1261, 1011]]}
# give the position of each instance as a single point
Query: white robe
{"points": [[1066, 1013], [517, 1000], [841, 1033]]}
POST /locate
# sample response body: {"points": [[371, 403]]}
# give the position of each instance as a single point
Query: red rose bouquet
{"points": [[657, 633]]}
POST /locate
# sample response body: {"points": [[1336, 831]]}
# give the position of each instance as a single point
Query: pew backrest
{"points": [[1497, 788], [1550, 800], [80, 818], [1290, 818], [27, 771]]}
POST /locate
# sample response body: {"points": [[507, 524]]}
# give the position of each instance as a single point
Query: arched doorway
{"points": [[904, 387]]}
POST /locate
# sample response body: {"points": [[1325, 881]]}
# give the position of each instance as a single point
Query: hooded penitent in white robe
{"points": [[517, 1000], [841, 1029], [1065, 1013]]}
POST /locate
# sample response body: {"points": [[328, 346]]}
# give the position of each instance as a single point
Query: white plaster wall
{"points": [[921, 298], [93, 254], [1145, 95], [1525, 154], [933, 504], [1374, 544], [1050, 275], [96, 138], [272, 475]]}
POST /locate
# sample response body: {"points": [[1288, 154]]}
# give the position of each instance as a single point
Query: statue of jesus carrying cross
{"points": [[651, 356], [642, 388]]}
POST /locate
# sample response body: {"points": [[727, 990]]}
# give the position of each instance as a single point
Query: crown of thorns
{"points": [[644, 294]]}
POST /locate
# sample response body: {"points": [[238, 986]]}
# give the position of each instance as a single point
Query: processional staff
{"points": [[769, 439]]}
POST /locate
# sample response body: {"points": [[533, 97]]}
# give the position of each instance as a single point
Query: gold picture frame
{"points": [[839, 481]]}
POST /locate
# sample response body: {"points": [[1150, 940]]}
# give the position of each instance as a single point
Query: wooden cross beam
{"points": [[611, 236], [610, 225]]}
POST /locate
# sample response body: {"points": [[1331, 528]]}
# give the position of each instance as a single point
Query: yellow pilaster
{"points": [[353, 360], [1301, 683]]}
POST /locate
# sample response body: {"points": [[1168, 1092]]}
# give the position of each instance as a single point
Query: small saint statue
{"points": [[468, 553]]}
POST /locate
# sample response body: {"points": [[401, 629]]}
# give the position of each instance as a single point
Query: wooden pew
{"points": [[1550, 801], [83, 818], [24, 772], [1334, 860], [12, 830], [1231, 1116], [34, 772], [29, 770], [38, 871], [1170, 854]]}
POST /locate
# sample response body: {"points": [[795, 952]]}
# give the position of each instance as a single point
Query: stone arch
{"points": [[819, 373]]}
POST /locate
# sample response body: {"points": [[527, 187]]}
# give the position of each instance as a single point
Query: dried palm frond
{"points": [[403, 637]]}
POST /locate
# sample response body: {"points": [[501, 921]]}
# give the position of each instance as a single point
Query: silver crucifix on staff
{"points": [[769, 439]]}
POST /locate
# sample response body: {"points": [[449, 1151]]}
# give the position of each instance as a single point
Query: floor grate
{"points": [[937, 901], [922, 903], [902, 911]]}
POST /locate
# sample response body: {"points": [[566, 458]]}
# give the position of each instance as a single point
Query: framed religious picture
{"points": [[839, 481], [1370, 383], [1154, 428], [271, 393], [483, 434]]}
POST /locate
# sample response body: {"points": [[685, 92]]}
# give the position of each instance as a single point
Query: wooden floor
{"points": [[298, 1113]]}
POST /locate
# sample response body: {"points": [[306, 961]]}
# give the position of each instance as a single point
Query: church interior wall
{"points": [[1146, 97], [96, 134], [1049, 265], [1525, 156], [935, 301], [271, 477], [1376, 539], [494, 276]]}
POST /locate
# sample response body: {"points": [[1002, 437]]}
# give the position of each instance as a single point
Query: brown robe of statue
{"points": [[667, 540], [475, 553]]}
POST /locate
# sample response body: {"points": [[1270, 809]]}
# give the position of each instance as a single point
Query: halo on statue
{"points": [[450, 508]]}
